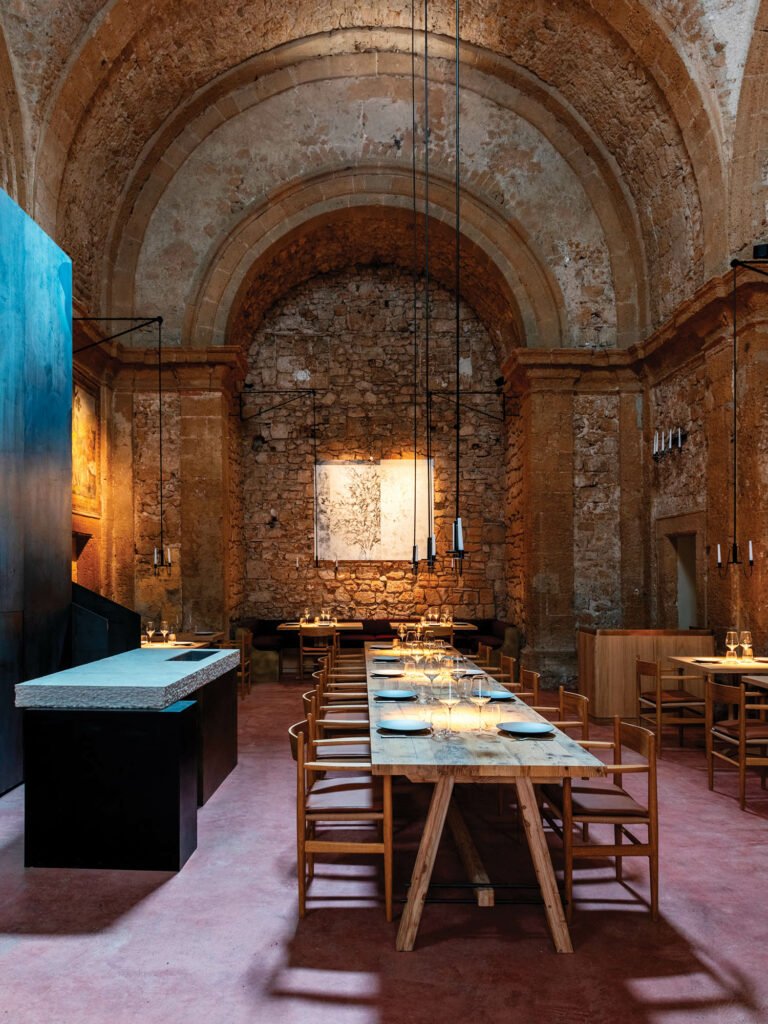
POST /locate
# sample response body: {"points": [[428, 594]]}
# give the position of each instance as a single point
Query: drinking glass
{"points": [[440, 725], [164, 630], [172, 633], [491, 715], [480, 694], [448, 696], [745, 642], [431, 668], [731, 642], [150, 630]]}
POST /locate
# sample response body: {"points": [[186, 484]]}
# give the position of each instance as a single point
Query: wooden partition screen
{"points": [[607, 660]]}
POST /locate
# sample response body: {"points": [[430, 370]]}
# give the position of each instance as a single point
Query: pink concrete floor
{"points": [[221, 942]]}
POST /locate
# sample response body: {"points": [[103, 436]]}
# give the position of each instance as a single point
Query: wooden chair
{"points": [[244, 643], [572, 713], [740, 740], [330, 810], [336, 748], [315, 641], [601, 802], [660, 704]]}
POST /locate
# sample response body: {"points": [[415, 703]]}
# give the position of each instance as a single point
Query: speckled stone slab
{"points": [[140, 679]]}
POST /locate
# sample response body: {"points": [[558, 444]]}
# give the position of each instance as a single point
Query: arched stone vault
{"points": [[638, 95], [12, 147], [503, 281], [595, 181]]}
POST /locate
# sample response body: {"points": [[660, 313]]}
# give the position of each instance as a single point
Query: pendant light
{"points": [[457, 553], [431, 546], [415, 551], [759, 265]]}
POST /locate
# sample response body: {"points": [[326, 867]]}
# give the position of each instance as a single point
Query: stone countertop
{"points": [[143, 679]]}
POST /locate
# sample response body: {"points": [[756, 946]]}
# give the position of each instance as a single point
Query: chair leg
{"points": [[742, 785], [653, 864], [710, 768], [659, 728], [618, 836], [568, 849], [387, 831]]}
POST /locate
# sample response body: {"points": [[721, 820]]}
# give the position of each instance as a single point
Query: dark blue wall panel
{"points": [[35, 462]]}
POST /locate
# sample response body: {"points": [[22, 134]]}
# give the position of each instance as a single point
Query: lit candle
{"points": [[155, 557], [751, 556], [168, 550], [656, 442], [719, 556], [297, 561]]}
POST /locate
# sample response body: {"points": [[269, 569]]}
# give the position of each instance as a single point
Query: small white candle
{"points": [[751, 556], [670, 439], [656, 442], [297, 561], [719, 556], [154, 560], [168, 549], [662, 440], [679, 438]]}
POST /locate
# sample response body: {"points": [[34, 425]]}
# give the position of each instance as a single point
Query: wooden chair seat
{"points": [[673, 696], [343, 751], [596, 798], [353, 793], [756, 731]]}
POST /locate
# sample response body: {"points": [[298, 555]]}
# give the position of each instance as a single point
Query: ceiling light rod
{"points": [[457, 552]]}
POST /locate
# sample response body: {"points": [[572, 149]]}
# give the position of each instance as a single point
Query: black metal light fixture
{"points": [[415, 550], [161, 555], [457, 552], [431, 545], [758, 265]]}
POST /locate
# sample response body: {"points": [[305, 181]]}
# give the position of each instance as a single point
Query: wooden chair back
{"points": [[574, 712], [508, 668], [529, 685]]}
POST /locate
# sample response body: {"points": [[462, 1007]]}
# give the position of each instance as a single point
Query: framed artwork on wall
{"points": [[364, 509], [86, 431]]}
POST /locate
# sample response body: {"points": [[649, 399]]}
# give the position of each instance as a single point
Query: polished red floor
{"points": [[221, 943]]}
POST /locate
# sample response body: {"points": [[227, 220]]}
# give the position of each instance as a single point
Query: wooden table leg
{"points": [[425, 861], [470, 858], [542, 863]]}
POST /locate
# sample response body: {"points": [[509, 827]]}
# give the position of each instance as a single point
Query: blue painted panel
{"points": [[35, 447]]}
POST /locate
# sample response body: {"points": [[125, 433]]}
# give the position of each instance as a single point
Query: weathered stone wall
{"points": [[596, 511], [348, 336]]}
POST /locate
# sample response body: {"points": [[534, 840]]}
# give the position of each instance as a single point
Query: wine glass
{"points": [[173, 632], [164, 630], [480, 694], [448, 696], [150, 630], [430, 667], [402, 630], [731, 642], [745, 642]]}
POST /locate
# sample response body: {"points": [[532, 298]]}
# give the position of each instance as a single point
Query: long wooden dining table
{"points": [[469, 756]]}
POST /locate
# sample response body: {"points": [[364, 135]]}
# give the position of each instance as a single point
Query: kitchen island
{"points": [[119, 753]]}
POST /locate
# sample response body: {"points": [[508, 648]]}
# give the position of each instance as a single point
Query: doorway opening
{"points": [[685, 547]]}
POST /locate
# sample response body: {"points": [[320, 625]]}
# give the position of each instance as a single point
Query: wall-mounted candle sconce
{"points": [[667, 441]]}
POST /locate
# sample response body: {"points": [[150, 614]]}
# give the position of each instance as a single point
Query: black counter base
{"points": [[111, 789]]}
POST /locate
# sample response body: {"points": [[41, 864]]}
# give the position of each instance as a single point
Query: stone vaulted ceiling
{"points": [[182, 151]]}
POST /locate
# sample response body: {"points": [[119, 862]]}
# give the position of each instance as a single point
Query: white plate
{"points": [[526, 728], [394, 673], [204, 632], [387, 657], [404, 725], [474, 671], [381, 647], [394, 694], [497, 694]]}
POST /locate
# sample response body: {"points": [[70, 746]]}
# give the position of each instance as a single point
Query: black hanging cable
{"points": [[431, 547], [415, 552], [458, 533], [314, 473], [160, 562], [735, 547]]}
